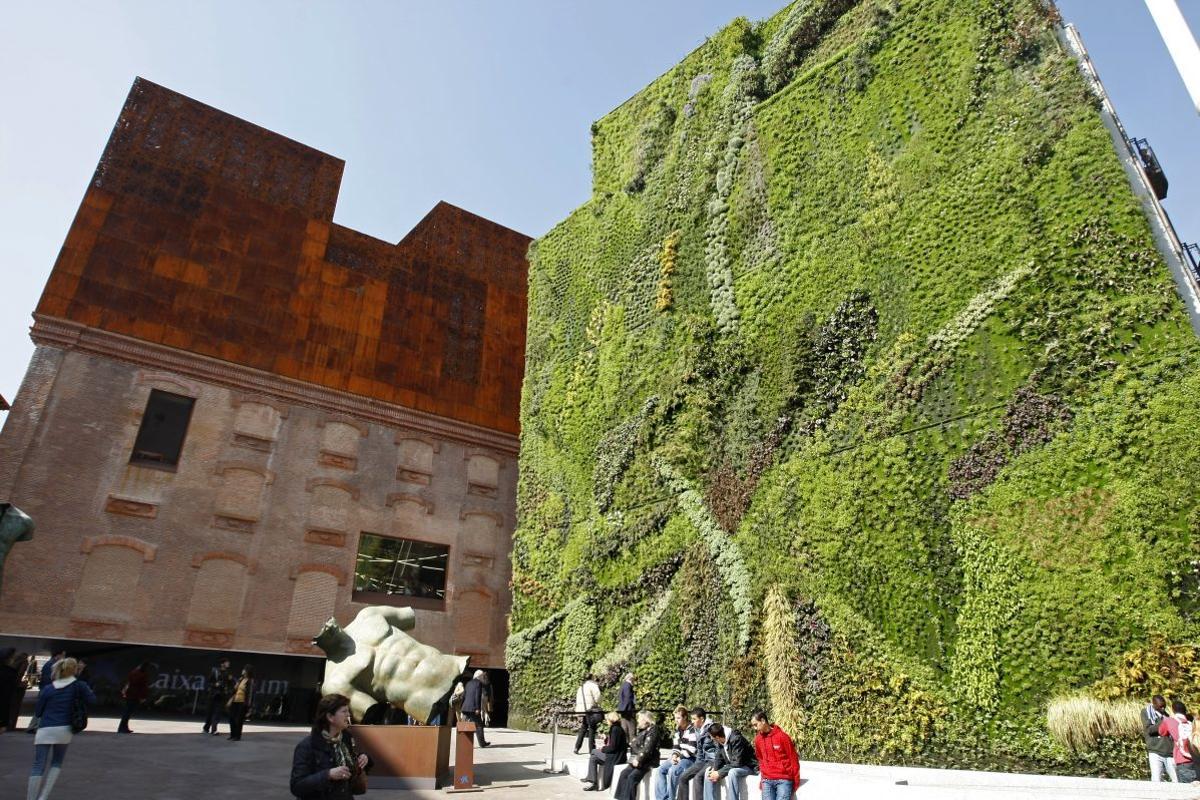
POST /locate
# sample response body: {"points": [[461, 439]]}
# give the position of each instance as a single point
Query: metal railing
{"points": [[1150, 166], [1192, 251], [557, 715]]}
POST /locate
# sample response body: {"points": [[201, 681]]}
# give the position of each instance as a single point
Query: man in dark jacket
{"points": [[477, 697], [220, 684], [735, 760], [137, 688], [48, 669], [1159, 749], [706, 757], [627, 706]]}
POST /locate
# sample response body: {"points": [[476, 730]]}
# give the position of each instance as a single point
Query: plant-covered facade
{"points": [[859, 375]]}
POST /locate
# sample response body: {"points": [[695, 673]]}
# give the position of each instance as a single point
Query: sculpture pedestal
{"points": [[464, 758], [405, 756]]}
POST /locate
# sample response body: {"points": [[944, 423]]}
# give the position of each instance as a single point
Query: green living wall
{"points": [[858, 391]]}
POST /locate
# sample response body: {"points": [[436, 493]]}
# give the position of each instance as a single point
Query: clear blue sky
{"points": [[483, 103]]}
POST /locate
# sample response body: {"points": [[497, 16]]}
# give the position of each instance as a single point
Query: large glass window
{"points": [[401, 571], [164, 426]]}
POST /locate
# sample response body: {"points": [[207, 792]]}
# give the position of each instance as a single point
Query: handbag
{"points": [[79, 712], [358, 776]]}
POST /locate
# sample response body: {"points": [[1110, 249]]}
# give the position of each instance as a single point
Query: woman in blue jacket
{"points": [[55, 707]]}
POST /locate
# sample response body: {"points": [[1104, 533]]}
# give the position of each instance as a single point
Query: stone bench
{"points": [[828, 781], [749, 786]]}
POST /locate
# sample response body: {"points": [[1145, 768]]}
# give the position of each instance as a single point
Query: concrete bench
{"points": [[748, 789]]}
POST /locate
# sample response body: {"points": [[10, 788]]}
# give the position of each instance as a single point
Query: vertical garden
{"points": [[859, 375]]}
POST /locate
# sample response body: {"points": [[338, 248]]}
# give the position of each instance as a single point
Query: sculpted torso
{"points": [[15, 526], [373, 660]]}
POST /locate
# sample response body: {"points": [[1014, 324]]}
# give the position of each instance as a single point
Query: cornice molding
{"points": [[66, 335]]}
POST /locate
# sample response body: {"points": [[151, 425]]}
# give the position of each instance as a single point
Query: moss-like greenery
{"points": [[859, 373]]}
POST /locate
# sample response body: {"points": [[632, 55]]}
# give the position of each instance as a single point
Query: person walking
{"points": [[627, 704], [735, 760], [587, 703], [476, 702], [20, 664], [666, 777], [240, 702], [9, 680], [1178, 727], [220, 684], [602, 761], [45, 677], [1159, 748], [325, 764], [56, 707], [643, 757], [778, 764], [135, 692]]}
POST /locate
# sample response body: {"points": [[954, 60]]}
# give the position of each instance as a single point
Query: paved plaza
{"points": [[172, 760]]}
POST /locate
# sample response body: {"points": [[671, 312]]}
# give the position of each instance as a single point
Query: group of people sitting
{"points": [[705, 756]]}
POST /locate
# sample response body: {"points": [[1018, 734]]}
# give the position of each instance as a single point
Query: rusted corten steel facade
{"points": [[203, 232], [342, 386]]}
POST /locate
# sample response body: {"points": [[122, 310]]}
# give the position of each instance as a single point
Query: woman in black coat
{"points": [[325, 763], [643, 757], [9, 679], [607, 757]]}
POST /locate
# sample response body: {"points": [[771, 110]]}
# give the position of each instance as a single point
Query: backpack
{"points": [[79, 711], [1185, 735]]}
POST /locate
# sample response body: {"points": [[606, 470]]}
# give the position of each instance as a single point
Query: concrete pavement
{"points": [[173, 760]]}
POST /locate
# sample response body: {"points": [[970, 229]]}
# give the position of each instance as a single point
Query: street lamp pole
{"points": [[1180, 42]]}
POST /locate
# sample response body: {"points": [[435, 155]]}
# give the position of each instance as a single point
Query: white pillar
{"points": [[1180, 42]]}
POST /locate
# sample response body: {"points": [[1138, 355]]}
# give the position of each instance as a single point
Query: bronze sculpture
{"points": [[15, 526], [373, 660]]}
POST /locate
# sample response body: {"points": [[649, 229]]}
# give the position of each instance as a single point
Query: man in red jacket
{"points": [[137, 688], [778, 764]]}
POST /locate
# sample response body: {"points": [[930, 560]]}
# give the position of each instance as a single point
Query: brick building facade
{"points": [[344, 410]]}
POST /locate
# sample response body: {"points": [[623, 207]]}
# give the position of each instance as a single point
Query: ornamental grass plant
{"points": [[1079, 723]]}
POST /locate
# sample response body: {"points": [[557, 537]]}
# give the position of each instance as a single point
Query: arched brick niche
{"points": [[481, 530], [257, 422], [415, 455], [314, 598], [332, 504], [240, 494], [340, 439], [483, 474], [217, 593], [472, 612], [110, 577]]}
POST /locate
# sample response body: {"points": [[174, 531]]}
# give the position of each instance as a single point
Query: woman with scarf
{"points": [[325, 765], [643, 757]]}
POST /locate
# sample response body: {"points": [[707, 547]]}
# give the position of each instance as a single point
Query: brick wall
{"points": [[251, 541]]}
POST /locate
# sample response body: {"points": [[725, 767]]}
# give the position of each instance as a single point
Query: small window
{"points": [[401, 571], [164, 426]]}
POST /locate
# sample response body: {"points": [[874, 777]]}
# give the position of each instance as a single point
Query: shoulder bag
{"points": [[358, 776], [79, 711]]}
